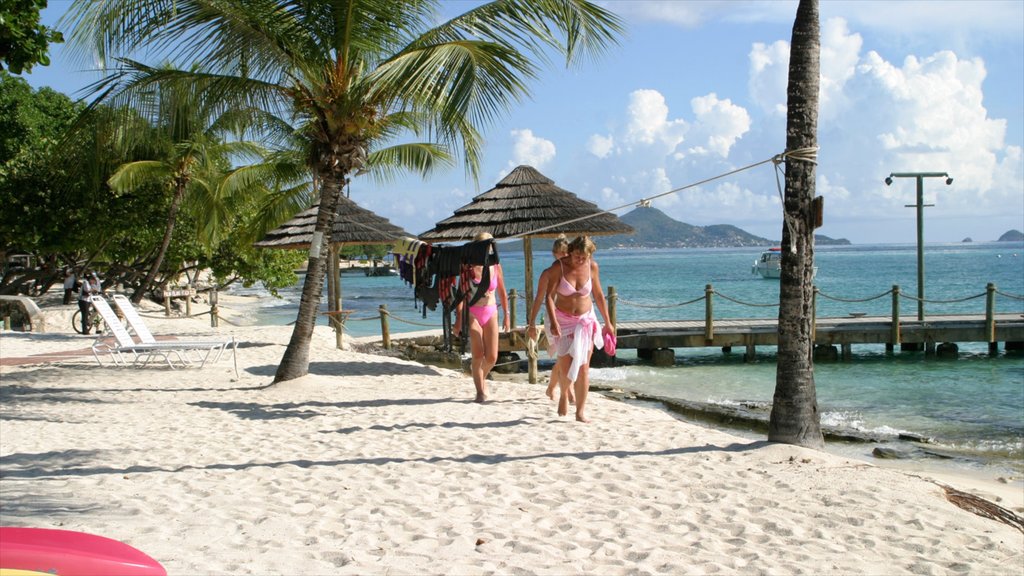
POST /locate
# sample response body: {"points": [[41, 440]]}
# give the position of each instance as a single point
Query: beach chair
{"points": [[125, 351], [214, 347]]}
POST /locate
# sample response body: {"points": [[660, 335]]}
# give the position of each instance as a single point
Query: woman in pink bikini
{"points": [[483, 323], [574, 288], [559, 251]]}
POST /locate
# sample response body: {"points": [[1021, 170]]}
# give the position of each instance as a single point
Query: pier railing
{"points": [[385, 317]]}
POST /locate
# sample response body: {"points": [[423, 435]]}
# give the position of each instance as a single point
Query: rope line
{"points": [[1014, 296], [638, 305], [769, 305], [802, 154], [916, 299], [852, 300], [390, 315]]}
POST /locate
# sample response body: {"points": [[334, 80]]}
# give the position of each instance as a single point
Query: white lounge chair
{"points": [[142, 331], [176, 353]]}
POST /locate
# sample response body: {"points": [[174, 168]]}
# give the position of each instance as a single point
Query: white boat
{"points": [[769, 265]]}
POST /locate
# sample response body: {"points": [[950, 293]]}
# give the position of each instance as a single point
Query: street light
{"points": [[920, 176]]}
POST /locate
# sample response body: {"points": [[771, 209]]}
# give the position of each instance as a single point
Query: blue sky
{"points": [[697, 89]]}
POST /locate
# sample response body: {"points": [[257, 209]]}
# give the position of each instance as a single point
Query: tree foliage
{"points": [[58, 207], [24, 42]]}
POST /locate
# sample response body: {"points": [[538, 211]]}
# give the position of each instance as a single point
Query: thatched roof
{"points": [[523, 202], [352, 225]]}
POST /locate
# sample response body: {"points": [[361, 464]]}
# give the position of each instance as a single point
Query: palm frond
{"points": [[386, 164]]}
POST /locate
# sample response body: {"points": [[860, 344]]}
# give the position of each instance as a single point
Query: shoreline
{"points": [[372, 464]]}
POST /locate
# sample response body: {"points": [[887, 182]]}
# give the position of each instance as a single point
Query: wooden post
{"points": [[167, 304], [613, 316], [709, 314], [214, 311], [385, 332], [814, 313], [335, 300], [7, 322], [188, 300], [512, 309], [990, 318], [895, 314], [528, 270]]}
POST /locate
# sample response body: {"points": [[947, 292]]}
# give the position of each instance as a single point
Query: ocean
{"points": [[971, 408]]}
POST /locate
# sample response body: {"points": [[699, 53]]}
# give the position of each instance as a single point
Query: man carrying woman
{"points": [[573, 289]]}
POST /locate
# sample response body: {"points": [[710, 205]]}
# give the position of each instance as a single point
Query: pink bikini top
{"points": [[566, 289], [490, 287]]}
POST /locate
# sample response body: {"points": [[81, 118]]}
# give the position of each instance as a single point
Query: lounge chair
{"points": [[138, 326], [177, 353]]}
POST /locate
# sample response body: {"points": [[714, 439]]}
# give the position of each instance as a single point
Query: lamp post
{"points": [[920, 176]]}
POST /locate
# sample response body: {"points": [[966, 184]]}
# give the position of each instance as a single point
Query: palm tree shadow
{"points": [[354, 368]]}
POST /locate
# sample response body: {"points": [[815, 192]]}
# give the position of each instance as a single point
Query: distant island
{"points": [[1012, 236], [655, 229]]}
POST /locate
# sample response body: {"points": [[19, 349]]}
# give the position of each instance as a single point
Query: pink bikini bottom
{"points": [[483, 314]]}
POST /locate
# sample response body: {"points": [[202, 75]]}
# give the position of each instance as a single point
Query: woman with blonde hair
{"points": [[573, 290], [483, 321], [559, 250]]}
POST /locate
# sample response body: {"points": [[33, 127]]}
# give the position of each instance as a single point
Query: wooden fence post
{"points": [[814, 313], [385, 332], [990, 318], [895, 314], [709, 314], [214, 310], [613, 315], [512, 309]]}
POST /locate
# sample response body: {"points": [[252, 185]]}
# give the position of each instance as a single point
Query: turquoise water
{"points": [[972, 407]]}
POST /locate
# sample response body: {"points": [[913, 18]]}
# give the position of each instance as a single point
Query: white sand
{"points": [[373, 465]]}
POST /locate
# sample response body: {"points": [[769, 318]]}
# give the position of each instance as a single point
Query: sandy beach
{"points": [[376, 465]]}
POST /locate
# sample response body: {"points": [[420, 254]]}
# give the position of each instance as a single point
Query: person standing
{"points": [[69, 285], [483, 321], [559, 250], [573, 290], [86, 290]]}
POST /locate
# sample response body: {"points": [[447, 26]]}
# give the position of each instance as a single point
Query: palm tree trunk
{"points": [[172, 219], [794, 417], [295, 362]]}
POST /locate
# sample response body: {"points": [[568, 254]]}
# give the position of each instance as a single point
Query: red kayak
{"points": [[68, 553]]}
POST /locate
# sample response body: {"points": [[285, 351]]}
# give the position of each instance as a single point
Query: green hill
{"points": [[654, 229]]}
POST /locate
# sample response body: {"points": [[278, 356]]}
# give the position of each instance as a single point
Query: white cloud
{"points": [[600, 146], [718, 124], [769, 71], [648, 122], [530, 150]]}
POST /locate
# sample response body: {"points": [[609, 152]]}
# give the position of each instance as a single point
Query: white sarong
{"points": [[579, 338]]}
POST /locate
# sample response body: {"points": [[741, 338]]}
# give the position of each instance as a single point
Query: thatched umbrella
{"points": [[526, 204], [353, 224]]}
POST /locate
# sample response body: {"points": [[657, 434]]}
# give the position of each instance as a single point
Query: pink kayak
{"points": [[68, 553]]}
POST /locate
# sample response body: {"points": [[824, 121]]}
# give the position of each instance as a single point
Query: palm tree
{"points": [[188, 147], [794, 417], [356, 76]]}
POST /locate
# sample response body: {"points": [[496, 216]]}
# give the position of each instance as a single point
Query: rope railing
{"points": [[1012, 296], [927, 301], [855, 300], [751, 304], [660, 307]]}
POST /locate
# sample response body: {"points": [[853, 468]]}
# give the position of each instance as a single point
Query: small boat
{"points": [[769, 265]]}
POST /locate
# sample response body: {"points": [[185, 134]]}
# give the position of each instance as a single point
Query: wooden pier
{"points": [[655, 339], [843, 332], [834, 337]]}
